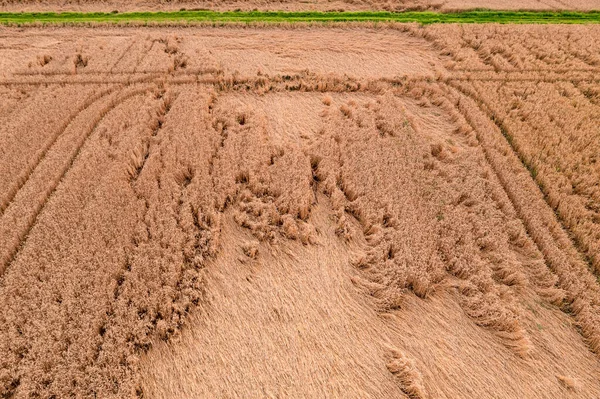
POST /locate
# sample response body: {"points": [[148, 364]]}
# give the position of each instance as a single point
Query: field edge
{"points": [[245, 17]]}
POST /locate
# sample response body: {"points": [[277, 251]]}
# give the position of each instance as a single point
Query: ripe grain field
{"points": [[398, 211], [295, 5]]}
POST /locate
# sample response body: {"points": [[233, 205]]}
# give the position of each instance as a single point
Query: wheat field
{"points": [[294, 5], [357, 211]]}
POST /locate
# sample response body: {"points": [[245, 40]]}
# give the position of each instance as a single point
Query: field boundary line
{"points": [[248, 17]]}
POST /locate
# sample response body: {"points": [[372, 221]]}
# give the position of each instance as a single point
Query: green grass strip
{"points": [[422, 17]]}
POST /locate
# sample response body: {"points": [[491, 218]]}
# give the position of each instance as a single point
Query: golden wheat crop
{"points": [[307, 211]]}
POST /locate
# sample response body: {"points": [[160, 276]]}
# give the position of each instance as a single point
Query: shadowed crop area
{"points": [[300, 211], [422, 17]]}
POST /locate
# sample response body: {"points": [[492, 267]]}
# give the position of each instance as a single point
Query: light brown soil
{"points": [[292, 5], [308, 212]]}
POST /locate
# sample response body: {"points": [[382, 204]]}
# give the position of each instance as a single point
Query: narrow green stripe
{"points": [[423, 17]]}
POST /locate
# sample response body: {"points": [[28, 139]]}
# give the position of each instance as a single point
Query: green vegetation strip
{"points": [[423, 17]]}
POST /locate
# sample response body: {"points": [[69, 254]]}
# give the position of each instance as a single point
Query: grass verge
{"points": [[422, 17]]}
